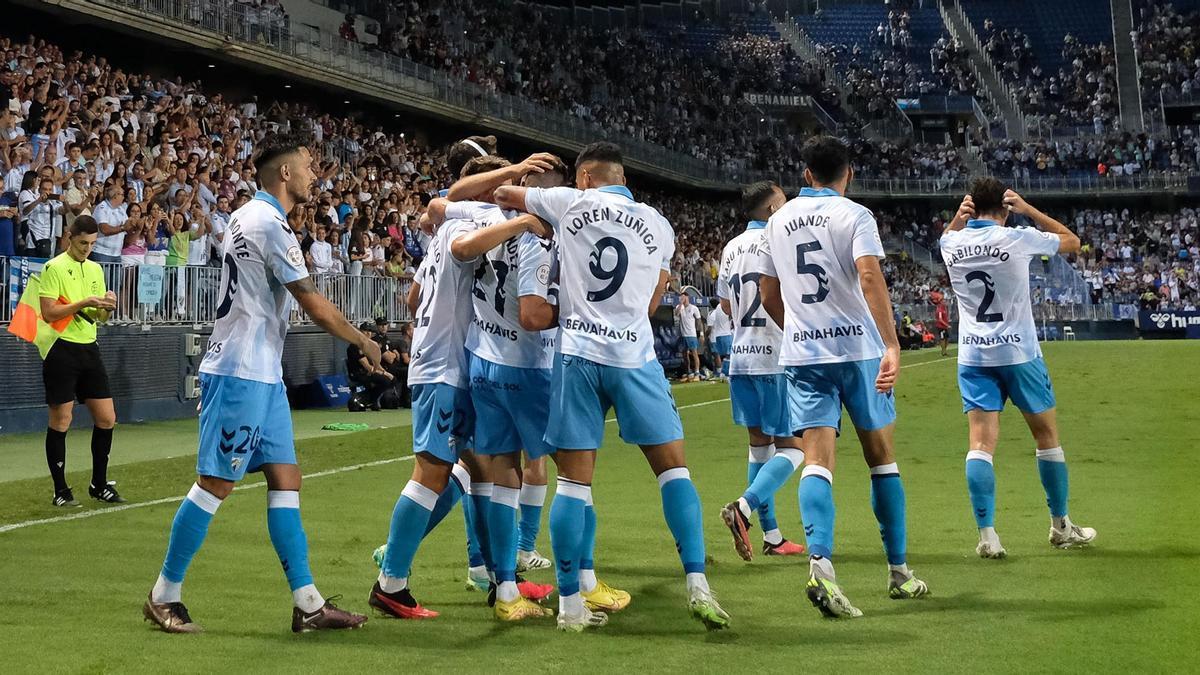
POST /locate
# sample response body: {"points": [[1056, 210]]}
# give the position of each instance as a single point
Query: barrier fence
{"points": [[191, 295]]}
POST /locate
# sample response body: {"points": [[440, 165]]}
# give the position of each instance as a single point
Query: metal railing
{"points": [[190, 295]]}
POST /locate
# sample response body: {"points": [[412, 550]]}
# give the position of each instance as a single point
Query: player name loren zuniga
{"points": [[614, 215]]}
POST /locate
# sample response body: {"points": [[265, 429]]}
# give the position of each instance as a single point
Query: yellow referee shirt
{"points": [[65, 277]]}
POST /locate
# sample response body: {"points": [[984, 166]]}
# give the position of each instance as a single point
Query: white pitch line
{"points": [[318, 474], [171, 500]]}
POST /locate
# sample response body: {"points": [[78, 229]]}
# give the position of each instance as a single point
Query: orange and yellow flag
{"points": [[27, 322]]}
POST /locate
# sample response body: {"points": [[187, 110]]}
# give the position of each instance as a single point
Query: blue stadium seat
{"points": [[1046, 23]]}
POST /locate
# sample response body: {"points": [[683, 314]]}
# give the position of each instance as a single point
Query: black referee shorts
{"points": [[74, 371]]}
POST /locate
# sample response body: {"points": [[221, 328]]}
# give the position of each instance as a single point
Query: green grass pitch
{"points": [[1130, 423]]}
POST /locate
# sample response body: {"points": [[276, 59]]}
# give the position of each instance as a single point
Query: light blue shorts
{"points": [[723, 344], [243, 425], [988, 387], [442, 420], [691, 343], [761, 401], [512, 406], [582, 391], [818, 393]]}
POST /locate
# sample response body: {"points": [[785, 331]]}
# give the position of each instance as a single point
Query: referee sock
{"points": [[101, 447], [56, 457]]}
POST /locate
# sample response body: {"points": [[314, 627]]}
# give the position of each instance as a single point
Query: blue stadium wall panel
{"points": [[147, 371]]}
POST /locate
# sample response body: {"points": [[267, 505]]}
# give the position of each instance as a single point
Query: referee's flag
{"points": [[27, 321]]}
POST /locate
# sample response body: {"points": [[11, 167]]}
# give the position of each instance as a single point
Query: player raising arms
{"points": [[245, 422], [614, 254], [443, 418], [757, 388], [823, 284], [998, 353]]}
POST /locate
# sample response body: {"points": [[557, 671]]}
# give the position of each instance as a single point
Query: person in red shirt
{"points": [[942, 321]]}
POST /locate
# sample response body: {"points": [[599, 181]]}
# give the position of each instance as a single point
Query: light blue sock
{"points": [[481, 499], [567, 524], [981, 486], [816, 509], [188, 531], [1052, 467], [681, 506], [409, 520], [456, 487], [287, 536], [767, 481], [588, 548], [533, 498], [474, 552], [887, 501], [502, 531], [725, 366]]}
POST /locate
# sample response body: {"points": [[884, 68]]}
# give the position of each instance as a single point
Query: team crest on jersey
{"points": [[543, 274], [295, 257]]}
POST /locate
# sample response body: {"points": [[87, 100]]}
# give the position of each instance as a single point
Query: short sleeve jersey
{"points": [[814, 241], [261, 256], [611, 250], [989, 272], [756, 336], [718, 323], [444, 311], [65, 278], [518, 267], [688, 316]]}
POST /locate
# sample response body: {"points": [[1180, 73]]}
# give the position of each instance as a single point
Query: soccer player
{"points": [[942, 321], [614, 255], [720, 331], [688, 315], [823, 284], [998, 353], [757, 388], [245, 423], [443, 418]]}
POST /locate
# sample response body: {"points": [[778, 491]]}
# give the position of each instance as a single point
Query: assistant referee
{"points": [[73, 286]]}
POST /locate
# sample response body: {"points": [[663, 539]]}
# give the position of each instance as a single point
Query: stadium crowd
{"points": [[1168, 57]]}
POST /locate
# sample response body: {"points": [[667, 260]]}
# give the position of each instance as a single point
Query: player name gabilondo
{"points": [[614, 215], [596, 329], [495, 329], [977, 251], [1005, 339], [826, 333]]}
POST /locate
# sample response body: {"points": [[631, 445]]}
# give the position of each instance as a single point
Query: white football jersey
{"points": [[718, 323], [989, 272], [688, 316], [519, 266], [611, 251], [756, 337], [444, 313], [260, 255], [812, 243]]}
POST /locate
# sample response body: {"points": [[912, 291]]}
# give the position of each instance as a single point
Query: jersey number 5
{"points": [[615, 276], [815, 270]]}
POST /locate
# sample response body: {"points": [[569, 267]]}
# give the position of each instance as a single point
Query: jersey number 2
{"points": [[989, 294]]}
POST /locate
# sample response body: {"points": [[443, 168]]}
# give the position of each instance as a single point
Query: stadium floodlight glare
{"points": [[212, 65], [287, 86]]}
